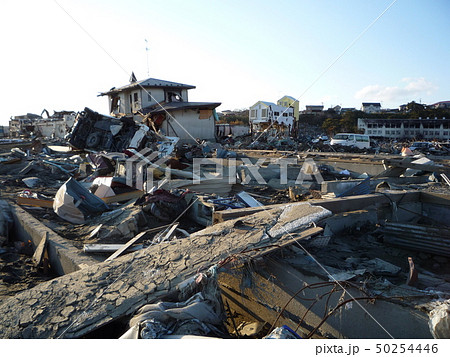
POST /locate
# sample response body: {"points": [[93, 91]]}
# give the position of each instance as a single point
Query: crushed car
{"points": [[98, 132]]}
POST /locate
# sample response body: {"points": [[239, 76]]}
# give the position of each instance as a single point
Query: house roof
{"points": [[288, 96], [154, 109], [264, 102], [149, 83], [446, 102], [374, 104]]}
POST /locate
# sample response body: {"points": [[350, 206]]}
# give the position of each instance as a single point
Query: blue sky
{"points": [[234, 52]]}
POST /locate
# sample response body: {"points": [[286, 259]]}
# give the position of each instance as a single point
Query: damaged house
{"points": [[53, 126], [263, 115], [164, 105]]}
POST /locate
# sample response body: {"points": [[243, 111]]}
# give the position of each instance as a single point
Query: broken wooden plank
{"points": [[40, 250], [108, 248], [170, 232], [126, 246], [123, 196], [12, 161], [35, 202], [49, 203]]}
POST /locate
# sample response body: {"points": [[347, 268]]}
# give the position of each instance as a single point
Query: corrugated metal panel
{"points": [[422, 238]]}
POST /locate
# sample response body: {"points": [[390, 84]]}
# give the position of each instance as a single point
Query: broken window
{"points": [[285, 114], [149, 96], [253, 113], [276, 114], [136, 97], [173, 97], [263, 113], [115, 104]]}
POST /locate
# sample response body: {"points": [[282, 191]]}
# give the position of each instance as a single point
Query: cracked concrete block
{"points": [[71, 299], [295, 216], [58, 319], [67, 310], [119, 301]]}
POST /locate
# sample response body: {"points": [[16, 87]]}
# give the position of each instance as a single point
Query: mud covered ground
{"points": [[17, 272]]}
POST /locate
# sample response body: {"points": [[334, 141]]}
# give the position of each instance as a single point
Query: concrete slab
{"points": [[64, 257], [74, 304]]}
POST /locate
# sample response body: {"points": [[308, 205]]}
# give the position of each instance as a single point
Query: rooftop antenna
{"points": [[146, 51]]}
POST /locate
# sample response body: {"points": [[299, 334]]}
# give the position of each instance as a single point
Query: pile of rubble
{"points": [[128, 228]]}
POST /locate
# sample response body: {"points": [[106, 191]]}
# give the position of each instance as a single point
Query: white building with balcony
{"points": [[263, 114]]}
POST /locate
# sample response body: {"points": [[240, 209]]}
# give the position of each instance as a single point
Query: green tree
{"points": [[331, 125]]}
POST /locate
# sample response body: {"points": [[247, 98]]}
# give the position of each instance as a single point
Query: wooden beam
{"points": [[335, 205], [40, 250], [107, 248], [126, 246], [12, 161], [35, 202], [123, 196]]}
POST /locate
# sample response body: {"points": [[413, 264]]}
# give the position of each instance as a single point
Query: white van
{"points": [[345, 139]]}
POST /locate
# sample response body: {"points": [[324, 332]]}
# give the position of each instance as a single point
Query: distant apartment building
{"points": [[370, 108], [422, 128]]}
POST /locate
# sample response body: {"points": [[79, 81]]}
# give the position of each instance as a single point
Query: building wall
{"points": [[428, 129], [51, 128], [189, 120], [234, 130], [4, 131], [371, 109], [255, 112], [286, 101], [128, 104], [157, 94]]}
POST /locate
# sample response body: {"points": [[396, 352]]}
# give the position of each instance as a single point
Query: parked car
{"points": [[420, 146], [349, 139]]}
